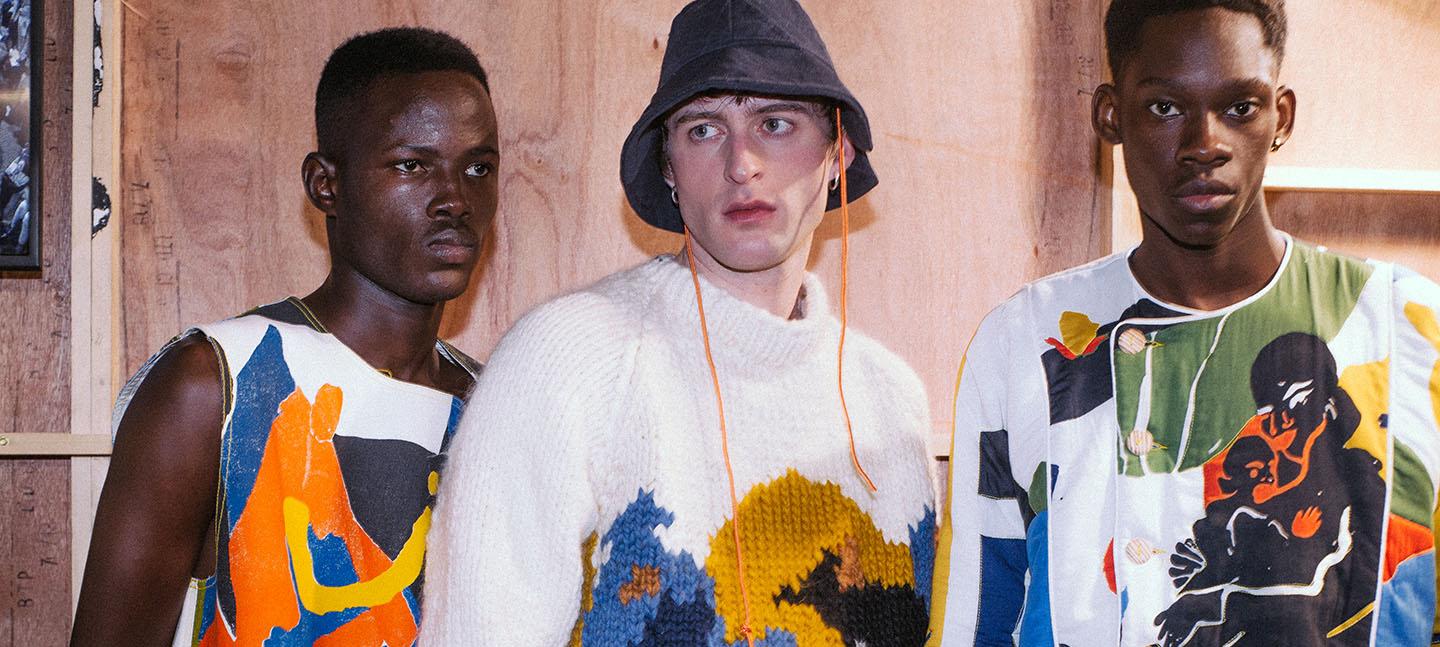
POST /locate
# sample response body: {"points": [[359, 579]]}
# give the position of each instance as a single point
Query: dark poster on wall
{"points": [[19, 134]]}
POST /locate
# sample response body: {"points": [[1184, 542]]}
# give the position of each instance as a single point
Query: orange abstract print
{"points": [[300, 492]]}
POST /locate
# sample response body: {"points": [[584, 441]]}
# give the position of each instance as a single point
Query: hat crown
{"points": [[706, 26]]}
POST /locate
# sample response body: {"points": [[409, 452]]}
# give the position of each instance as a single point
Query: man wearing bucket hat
{"points": [[677, 455]]}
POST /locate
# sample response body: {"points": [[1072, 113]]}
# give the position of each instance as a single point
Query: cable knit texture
{"points": [[586, 503]]}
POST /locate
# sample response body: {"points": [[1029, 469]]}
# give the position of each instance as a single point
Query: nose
{"points": [[742, 163], [450, 200], [1202, 142]]}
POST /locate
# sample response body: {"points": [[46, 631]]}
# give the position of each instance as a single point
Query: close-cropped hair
{"points": [[363, 59], [1125, 19]]}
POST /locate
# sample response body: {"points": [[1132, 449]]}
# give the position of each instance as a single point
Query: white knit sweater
{"points": [[587, 478]]}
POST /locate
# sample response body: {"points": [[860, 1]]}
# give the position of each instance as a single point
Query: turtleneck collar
{"points": [[744, 338]]}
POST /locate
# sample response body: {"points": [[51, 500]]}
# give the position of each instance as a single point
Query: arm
{"points": [[516, 505], [981, 559], [157, 505]]}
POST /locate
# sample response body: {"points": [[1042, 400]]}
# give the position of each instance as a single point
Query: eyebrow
{"points": [[484, 149], [766, 109], [1252, 84]]}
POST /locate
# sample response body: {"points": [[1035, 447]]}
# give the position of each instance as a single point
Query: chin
{"points": [[1197, 231], [753, 258]]}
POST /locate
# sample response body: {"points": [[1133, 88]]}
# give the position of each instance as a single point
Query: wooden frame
{"points": [[21, 224]]}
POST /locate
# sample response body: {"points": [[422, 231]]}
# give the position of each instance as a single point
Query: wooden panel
{"points": [[981, 145], [1362, 71], [1399, 227], [35, 396]]}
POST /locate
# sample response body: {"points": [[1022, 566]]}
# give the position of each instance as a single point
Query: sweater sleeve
{"points": [[1414, 412], [980, 567], [505, 553]]}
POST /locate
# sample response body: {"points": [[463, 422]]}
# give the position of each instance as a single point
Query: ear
{"points": [[319, 175], [1285, 115], [1105, 114], [667, 172]]}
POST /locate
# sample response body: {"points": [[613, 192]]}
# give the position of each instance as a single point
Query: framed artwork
{"points": [[20, 121]]}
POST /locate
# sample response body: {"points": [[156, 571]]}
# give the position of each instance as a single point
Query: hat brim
{"points": [[735, 70]]}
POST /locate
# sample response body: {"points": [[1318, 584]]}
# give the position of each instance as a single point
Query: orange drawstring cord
{"points": [[745, 629], [844, 291]]}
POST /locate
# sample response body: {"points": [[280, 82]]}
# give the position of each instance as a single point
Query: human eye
{"points": [[777, 126], [703, 132], [479, 169], [1164, 109], [407, 166], [1243, 109]]}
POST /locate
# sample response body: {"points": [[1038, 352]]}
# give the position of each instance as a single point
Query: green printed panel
{"points": [[1410, 496], [1316, 294]]}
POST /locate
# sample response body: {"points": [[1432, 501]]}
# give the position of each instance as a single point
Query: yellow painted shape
{"points": [[322, 599], [1359, 615], [1425, 322], [1077, 331], [1369, 387], [786, 526]]}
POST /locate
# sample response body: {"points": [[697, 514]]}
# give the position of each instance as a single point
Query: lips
{"points": [[1202, 196], [749, 211], [454, 246]]}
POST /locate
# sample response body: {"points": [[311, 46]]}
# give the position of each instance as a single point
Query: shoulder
{"points": [[883, 363], [181, 389], [583, 342], [1413, 287], [593, 321], [1079, 288], [891, 379]]}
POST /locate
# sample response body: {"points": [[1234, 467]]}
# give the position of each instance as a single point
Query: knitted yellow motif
{"points": [[587, 586], [788, 528]]}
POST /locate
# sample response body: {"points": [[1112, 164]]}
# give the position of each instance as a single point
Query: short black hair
{"points": [[1125, 19], [363, 59]]}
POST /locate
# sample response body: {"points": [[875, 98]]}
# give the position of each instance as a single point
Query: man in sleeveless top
{"points": [[665, 458], [284, 462], [1224, 436]]}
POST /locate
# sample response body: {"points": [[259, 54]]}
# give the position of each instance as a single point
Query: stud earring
{"points": [[1276, 144]]}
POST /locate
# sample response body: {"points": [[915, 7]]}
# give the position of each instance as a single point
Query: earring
{"points": [[835, 183], [1276, 144], [674, 197]]}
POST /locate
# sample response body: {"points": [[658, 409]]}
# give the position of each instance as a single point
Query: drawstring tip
{"points": [[869, 484]]}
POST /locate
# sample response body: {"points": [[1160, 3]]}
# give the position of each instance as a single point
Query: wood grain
{"points": [[35, 368], [981, 146], [1398, 227]]}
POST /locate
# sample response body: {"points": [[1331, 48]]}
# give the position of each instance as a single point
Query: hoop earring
{"points": [[1275, 144], [675, 198], [835, 183]]}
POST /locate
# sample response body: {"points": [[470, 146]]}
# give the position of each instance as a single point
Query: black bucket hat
{"points": [[763, 47]]}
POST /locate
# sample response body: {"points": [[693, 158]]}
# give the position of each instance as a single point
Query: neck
{"points": [[1213, 277], [387, 331], [775, 290]]}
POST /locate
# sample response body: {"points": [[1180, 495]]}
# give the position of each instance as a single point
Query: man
{"points": [[286, 459], [663, 457], [1224, 436]]}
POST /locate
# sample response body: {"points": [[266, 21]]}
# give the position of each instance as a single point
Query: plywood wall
{"points": [[1364, 73], [35, 565], [978, 109]]}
